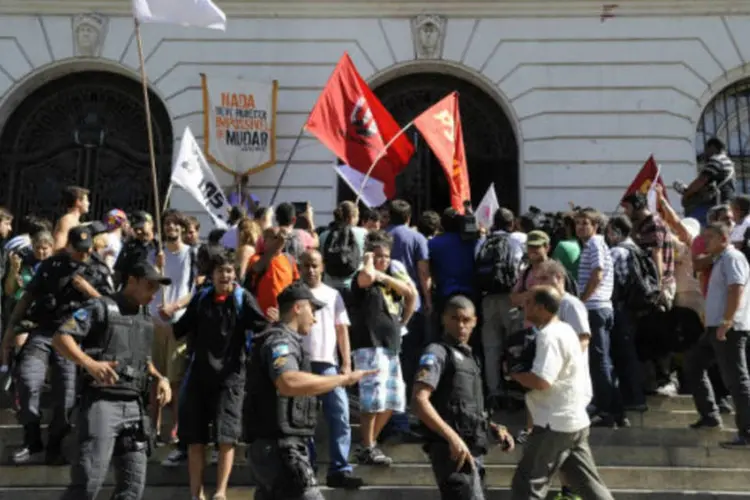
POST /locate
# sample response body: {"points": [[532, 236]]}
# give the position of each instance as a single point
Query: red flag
{"points": [[352, 122], [440, 126], [645, 178]]}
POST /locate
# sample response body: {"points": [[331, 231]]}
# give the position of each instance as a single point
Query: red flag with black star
{"points": [[352, 122]]}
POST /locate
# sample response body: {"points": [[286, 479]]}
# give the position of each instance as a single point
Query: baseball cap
{"points": [[80, 238], [537, 239], [139, 219], [147, 271], [299, 291], [115, 218], [97, 227]]}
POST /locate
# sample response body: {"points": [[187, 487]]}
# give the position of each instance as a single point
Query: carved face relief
{"points": [[428, 33], [89, 31]]}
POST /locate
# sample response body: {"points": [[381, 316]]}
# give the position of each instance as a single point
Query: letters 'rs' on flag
{"points": [[352, 122], [192, 173], [440, 126], [643, 182], [195, 13]]}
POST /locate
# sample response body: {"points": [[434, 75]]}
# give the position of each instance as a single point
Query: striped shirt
{"points": [[719, 170], [595, 255]]}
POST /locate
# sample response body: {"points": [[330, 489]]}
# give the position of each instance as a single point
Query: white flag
{"points": [[196, 13], [486, 209], [192, 173], [373, 194]]}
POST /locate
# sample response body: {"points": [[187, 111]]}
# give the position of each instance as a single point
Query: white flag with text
{"points": [[485, 212], [195, 13], [373, 194], [192, 173]]}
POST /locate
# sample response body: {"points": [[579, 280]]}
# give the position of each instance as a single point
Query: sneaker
{"points": [[669, 390], [623, 423], [523, 436], [344, 480], [706, 423], [175, 458], [374, 456], [28, 454], [603, 421], [738, 443]]}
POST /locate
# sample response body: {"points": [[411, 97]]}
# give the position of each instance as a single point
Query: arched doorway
{"points": [[727, 117], [88, 129], [491, 147]]}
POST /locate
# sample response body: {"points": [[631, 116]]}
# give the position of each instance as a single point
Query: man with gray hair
{"points": [[726, 338]]}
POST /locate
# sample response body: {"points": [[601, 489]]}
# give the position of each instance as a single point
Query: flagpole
{"points": [[379, 157], [150, 132], [166, 197], [286, 165]]}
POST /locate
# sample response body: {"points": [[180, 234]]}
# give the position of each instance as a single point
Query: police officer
{"points": [[449, 402], [115, 335], [61, 284], [281, 403], [136, 249]]}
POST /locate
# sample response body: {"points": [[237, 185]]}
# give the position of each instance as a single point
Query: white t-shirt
{"points": [[178, 266], [322, 343], [560, 361]]}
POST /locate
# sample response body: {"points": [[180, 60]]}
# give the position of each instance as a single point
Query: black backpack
{"points": [[341, 254], [642, 290], [495, 271]]}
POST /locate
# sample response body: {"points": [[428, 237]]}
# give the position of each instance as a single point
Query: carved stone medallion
{"points": [[89, 32], [428, 33]]}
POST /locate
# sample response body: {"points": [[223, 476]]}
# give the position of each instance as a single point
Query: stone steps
{"points": [[498, 476], [367, 493]]}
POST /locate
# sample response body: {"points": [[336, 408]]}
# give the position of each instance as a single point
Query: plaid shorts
{"points": [[385, 390]]}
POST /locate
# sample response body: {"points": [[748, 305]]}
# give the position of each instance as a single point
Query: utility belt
{"points": [[137, 436], [297, 474]]}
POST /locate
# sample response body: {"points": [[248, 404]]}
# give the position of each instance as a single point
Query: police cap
{"points": [[299, 291], [80, 238], [97, 228], [148, 272], [139, 219]]}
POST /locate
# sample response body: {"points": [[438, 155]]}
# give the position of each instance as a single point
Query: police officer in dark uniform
{"points": [[448, 399], [136, 249], [281, 401], [115, 336], [61, 284], [98, 263]]}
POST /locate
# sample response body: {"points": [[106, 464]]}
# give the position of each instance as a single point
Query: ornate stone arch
{"points": [[81, 123], [726, 115], [491, 132]]}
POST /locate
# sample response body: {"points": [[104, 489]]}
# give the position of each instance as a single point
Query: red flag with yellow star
{"points": [[440, 126]]}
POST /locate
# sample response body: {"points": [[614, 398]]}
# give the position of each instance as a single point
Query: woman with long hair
{"points": [[249, 233]]}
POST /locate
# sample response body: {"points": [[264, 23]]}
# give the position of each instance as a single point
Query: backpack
{"points": [[571, 286], [293, 246], [642, 290], [495, 271], [238, 303], [341, 254]]}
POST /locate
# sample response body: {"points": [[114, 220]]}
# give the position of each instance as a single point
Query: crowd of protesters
{"points": [[658, 302]]}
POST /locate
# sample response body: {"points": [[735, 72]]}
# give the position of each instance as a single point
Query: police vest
{"points": [[127, 340], [459, 399], [270, 415]]}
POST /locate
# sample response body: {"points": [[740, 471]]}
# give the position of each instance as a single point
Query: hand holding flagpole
{"points": [[379, 157]]}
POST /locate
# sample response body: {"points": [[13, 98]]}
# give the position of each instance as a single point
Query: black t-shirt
{"points": [[376, 321], [217, 334]]}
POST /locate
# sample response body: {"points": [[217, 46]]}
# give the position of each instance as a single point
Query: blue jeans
{"points": [[601, 322], [336, 412]]}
